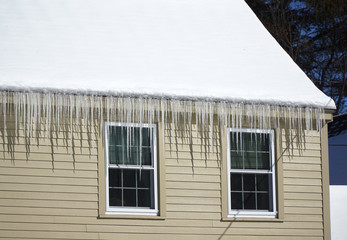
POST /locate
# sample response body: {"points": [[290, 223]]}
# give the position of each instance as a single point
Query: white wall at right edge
{"points": [[338, 212]]}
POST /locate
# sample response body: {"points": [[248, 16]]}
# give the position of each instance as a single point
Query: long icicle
{"points": [[49, 111]]}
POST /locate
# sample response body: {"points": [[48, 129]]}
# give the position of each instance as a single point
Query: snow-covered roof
{"points": [[190, 49]]}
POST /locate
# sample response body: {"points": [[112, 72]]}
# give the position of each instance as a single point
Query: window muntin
{"points": [[251, 173], [131, 174]]}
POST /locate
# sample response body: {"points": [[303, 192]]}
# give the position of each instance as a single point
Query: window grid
{"points": [[259, 173], [256, 191], [137, 169], [136, 188]]}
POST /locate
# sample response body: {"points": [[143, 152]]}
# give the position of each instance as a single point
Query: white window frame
{"points": [[232, 213], [132, 210]]}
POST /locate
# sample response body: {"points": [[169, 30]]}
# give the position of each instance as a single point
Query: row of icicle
{"points": [[53, 111]]}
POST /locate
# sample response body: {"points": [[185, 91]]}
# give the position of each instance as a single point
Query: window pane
{"points": [[146, 156], [117, 145], [129, 197], [121, 153], [249, 201], [136, 186], [236, 160], [236, 200], [129, 178], [263, 161], [249, 143], [134, 136], [117, 135], [249, 182], [250, 160], [112, 154], [144, 178], [263, 201], [134, 157], [234, 139], [115, 197], [117, 154], [111, 136], [115, 177], [263, 182], [146, 140], [236, 182], [263, 142], [144, 198]]}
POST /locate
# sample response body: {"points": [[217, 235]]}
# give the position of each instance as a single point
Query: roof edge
{"points": [[329, 106]]}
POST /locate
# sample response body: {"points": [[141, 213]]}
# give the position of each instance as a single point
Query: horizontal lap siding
{"points": [[302, 192], [302, 171], [52, 192]]}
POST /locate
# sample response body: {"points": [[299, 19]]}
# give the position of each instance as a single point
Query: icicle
{"points": [[71, 110], [107, 108], [101, 115], [37, 107], [189, 106], [277, 115], [299, 120], [92, 123], [173, 117], [58, 110], [4, 112], [150, 111], [197, 116], [24, 112], [140, 106], [16, 106], [163, 118], [319, 118], [308, 119], [35, 112], [211, 115]]}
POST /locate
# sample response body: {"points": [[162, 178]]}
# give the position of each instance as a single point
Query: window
{"points": [[131, 169], [251, 173]]}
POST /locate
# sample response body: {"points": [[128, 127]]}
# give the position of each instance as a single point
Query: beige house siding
{"points": [[53, 192]]}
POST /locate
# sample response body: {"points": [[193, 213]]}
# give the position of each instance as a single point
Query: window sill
{"points": [[125, 216], [251, 219]]}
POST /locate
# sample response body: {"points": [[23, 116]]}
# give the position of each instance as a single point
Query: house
{"points": [[338, 179], [156, 120]]}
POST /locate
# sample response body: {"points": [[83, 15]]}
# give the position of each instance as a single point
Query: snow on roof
{"points": [[195, 49]]}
